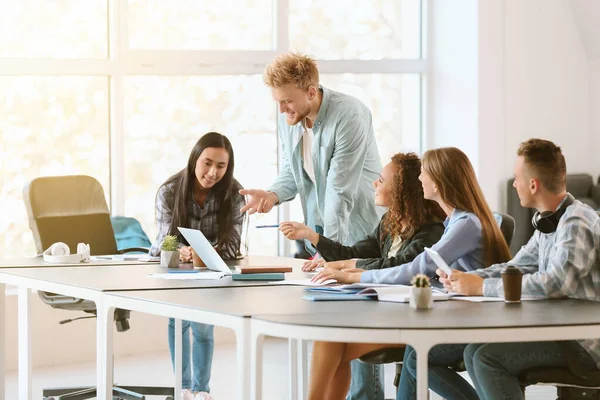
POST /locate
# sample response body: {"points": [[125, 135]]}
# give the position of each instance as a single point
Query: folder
{"points": [[271, 276]]}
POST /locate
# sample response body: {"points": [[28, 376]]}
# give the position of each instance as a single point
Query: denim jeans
{"points": [[494, 367], [367, 381], [441, 379], [202, 353]]}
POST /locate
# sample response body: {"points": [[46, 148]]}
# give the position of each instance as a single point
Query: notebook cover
{"points": [[271, 276], [263, 269]]}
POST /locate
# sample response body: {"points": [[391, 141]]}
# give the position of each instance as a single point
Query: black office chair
{"points": [[396, 355], [73, 209]]}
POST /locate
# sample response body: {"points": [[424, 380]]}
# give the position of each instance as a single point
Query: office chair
{"points": [[73, 209], [396, 355]]}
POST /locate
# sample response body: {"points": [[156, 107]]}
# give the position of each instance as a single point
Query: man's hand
{"points": [[340, 276], [259, 201], [185, 254], [462, 283], [298, 231], [311, 265]]}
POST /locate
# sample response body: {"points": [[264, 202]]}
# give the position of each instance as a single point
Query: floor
{"points": [[155, 368]]}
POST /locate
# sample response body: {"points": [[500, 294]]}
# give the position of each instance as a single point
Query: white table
{"points": [[447, 322], [90, 282]]}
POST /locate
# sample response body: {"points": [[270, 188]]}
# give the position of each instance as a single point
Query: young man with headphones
{"points": [[562, 259]]}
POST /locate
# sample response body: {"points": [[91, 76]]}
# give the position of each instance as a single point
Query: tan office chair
{"points": [[385, 356], [73, 209]]}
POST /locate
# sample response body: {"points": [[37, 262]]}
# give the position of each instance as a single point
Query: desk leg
{"points": [[177, 357], [293, 366], [2, 338], [24, 344], [256, 365], [302, 369], [104, 351], [422, 367], [243, 356]]}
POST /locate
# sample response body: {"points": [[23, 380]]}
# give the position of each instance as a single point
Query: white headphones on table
{"points": [[59, 253]]}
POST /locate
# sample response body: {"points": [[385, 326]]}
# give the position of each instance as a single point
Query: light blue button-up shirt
{"points": [[461, 246], [346, 162]]}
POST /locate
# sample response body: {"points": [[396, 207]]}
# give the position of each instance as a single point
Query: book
{"points": [[271, 276], [361, 291], [261, 269]]}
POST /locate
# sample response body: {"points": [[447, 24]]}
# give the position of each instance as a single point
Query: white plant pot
{"points": [[420, 298], [169, 259]]}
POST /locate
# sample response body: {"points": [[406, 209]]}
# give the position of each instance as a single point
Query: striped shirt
{"points": [[203, 218], [565, 263]]}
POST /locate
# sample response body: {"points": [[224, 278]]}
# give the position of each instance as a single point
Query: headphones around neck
{"points": [[547, 221], [59, 253]]}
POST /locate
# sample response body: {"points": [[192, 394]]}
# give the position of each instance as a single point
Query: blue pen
{"points": [[267, 226]]}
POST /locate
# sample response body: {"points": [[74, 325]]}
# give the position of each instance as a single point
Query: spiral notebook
{"points": [[361, 291]]}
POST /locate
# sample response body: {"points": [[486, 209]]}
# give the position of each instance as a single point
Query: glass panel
{"points": [[366, 30], [165, 116], [200, 24], [48, 126], [53, 29]]}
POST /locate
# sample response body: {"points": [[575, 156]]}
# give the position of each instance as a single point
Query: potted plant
{"points": [[169, 252], [420, 292]]}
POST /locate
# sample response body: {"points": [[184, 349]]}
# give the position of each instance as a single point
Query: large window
{"points": [[121, 90]]}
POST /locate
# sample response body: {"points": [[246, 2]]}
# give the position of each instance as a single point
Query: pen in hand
{"points": [[267, 226]]}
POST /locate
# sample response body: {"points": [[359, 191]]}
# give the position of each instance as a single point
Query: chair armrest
{"points": [[56, 299]]}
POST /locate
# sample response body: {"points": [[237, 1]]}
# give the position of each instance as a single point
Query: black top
{"points": [[372, 251]]}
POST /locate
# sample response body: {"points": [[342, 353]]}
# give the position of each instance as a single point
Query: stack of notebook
{"points": [[261, 273]]}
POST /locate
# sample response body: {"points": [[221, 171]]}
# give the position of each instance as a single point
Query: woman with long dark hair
{"points": [[204, 196]]}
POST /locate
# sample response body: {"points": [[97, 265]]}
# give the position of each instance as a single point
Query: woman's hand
{"points": [[339, 276], [297, 231], [311, 265], [341, 265], [185, 253]]}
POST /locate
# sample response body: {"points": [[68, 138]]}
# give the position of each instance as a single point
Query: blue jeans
{"points": [[367, 381], [203, 345], [441, 379], [494, 367]]}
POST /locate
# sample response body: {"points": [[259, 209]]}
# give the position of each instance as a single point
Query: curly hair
{"points": [[409, 210], [292, 68]]}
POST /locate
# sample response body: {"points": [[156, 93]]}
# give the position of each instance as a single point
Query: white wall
{"points": [[594, 150], [529, 73]]}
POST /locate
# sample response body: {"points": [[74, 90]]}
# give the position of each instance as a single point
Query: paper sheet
{"points": [[302, 282]]}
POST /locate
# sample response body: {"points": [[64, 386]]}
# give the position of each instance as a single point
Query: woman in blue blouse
{"points": [[204, 196], [472, 239]]}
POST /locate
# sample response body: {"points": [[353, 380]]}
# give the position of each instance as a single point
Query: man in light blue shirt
{"points": [[330, 159]]}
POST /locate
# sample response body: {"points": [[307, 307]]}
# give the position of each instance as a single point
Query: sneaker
{"points": [[203, 396], [187, 394]]}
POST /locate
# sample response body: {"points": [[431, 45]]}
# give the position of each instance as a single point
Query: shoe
{"points": [[203, 396], [187, 394]]}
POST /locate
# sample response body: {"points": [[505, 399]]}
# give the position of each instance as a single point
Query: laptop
{"points": [[438, 260], [205, 250]]}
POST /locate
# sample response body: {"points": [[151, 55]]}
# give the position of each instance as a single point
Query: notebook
{"points": [[270, 276], [248, 269], [391, 293]]}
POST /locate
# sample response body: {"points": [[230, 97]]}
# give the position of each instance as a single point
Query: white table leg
{"points": [[24, 344], [2, 338], [302, 369], [178, 357], [293, 366], [104, 351], [422, 367], [243, 356], [256, 365]]}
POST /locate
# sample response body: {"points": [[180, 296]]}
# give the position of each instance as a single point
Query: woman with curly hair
{"points": [[411, 223]]}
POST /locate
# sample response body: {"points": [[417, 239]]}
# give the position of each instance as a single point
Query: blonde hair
{"points": [[453, 174], [292, 68]]}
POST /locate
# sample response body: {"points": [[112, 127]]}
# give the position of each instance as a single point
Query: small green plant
{"points": [[169, 243], [420, 281]]}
